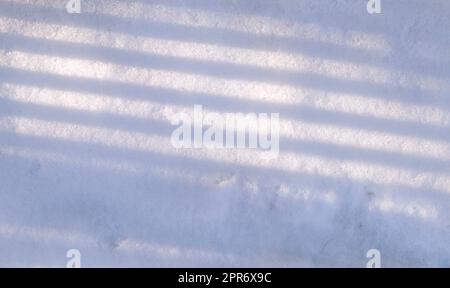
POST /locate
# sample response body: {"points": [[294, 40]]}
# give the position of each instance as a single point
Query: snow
{"points": [[87, 100]]}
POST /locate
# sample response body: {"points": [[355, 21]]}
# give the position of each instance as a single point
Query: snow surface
{"points": [[86, 103]]}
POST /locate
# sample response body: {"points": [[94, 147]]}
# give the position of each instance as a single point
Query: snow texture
{"points": [[86, 103]]}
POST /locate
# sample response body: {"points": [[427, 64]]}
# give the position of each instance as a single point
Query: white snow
{"points": [[87, 100]]}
